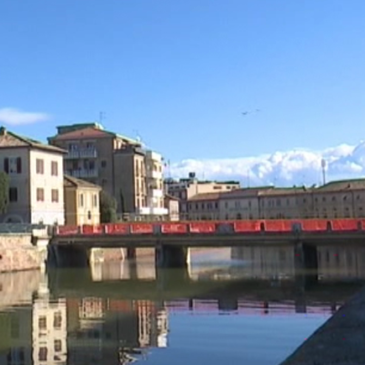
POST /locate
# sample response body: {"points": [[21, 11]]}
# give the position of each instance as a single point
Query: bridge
{"points": [[210, 233], [171, 239]]}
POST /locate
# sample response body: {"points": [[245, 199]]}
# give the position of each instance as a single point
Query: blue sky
{"points": [[180, 73]]}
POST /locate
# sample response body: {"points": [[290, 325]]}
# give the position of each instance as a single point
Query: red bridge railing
{"points": [[216, 227]]}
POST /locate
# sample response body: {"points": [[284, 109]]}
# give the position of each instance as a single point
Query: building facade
{"points": [[35, 172], [337, 199], [123, 169], [185, 189], [82, 202]]}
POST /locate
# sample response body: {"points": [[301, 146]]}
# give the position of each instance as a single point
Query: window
{"points": [[57, 345], [40, 195], [81, 200], [55, 197], [42, 323], [57, 320], [39, 166], [42, 354], [13, 195], [54, 168], [89, 215], [15, 327], [103, 164], [13, 165], [95, 200]]}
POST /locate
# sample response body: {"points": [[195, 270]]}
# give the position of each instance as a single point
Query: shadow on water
{"points": [[121, 312]]}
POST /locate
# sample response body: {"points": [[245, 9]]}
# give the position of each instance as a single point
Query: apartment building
{"points": [[117, 163], [35, 173], [186, 188], [82, 204]]}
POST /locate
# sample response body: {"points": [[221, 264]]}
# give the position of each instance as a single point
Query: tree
{"points": [[108, 208], [4, 191]]}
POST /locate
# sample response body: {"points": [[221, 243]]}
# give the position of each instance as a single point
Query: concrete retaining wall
{"points": [[17, 253]]}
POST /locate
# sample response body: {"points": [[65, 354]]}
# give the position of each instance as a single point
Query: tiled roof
{"points": [[205, 196], [285, 191], [237, 193], [72, 181], [91, 132], [10, 139], [353, 184]]}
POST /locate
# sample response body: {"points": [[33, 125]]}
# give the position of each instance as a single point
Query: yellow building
{"points": [[82, 205]]}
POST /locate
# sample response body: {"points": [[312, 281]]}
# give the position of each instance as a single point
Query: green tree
{"points": [[4, 191], [108, 208]]}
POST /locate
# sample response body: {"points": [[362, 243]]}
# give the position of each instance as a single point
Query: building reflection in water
{"points": [[81, 331], [334, 262]]}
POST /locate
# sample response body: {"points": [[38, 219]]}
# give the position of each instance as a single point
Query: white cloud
{"points": [[14, 116], [299, 166]]}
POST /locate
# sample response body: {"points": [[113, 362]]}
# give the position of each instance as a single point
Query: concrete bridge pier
{"points": [[69, 256], [305, 264], [171, 257]]}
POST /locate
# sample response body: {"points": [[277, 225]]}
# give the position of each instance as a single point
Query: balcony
{"points": [[155, 175], [152, 211], [83, 173], [82, 153], [155, 193]]}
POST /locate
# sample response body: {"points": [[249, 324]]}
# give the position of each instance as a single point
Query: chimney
{"points": [[2, 131]]}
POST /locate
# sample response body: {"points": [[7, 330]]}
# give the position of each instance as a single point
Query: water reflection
{"points": [[122, 312]]}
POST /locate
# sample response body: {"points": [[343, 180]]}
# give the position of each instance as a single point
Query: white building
{"points": [[49, 332], [154, 182], [35, 173]]}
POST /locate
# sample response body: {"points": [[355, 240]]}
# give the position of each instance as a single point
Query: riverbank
{"points": [[339, 341]]}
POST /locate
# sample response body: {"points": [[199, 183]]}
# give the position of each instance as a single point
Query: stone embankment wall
{"points": [[17, 253], [18, 287]]}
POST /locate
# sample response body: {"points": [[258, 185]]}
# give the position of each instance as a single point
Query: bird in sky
{"points": [[250, 112]]}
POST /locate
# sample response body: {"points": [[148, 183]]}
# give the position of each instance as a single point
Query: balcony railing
{"points": [[82, 153], [83, 173]]}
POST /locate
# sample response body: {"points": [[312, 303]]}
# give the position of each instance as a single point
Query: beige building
{"points": [[118, 164], [172, 205], [337, 199], [82, 205], [185, 189], [35, 173], [204, 206], [241, 203]]}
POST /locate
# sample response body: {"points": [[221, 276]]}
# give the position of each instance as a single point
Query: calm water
{"points": [[244, 307]]}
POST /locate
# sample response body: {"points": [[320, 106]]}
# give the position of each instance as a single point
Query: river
{"points": [[241, 307]]}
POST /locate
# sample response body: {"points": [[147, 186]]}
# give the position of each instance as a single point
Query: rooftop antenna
{"points": [[102, 117], [323, 165]]}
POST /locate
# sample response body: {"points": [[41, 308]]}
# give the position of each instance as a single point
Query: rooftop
{"points": [[10, 139], [205, 196], [87, 130], [352, 184], [72, 181]]}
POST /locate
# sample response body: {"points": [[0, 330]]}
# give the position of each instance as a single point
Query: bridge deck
{"points": [[212, 233]]}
